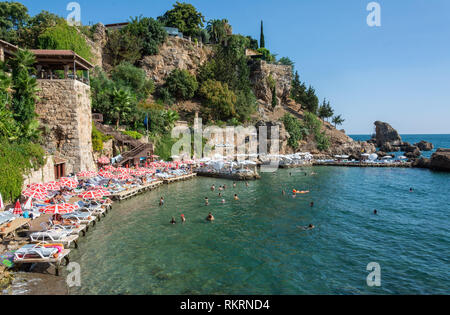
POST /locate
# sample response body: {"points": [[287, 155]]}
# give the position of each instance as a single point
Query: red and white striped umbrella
{"points": [[18, 208], [103, 160], [106, 174], [88, 174], [109, 168], [35, 185], [62, 208], [122, 170], [68, 182], [39, 193], [124, 177], [52, 186], [94, 194]]}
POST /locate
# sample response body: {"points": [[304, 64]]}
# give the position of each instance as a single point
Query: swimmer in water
{"points": [[246, 184], [161, 202], [312, 204], [224, 187], [183, 219], [223, 200], [173, 221], [411, 190], [236, 197], [375, 212], [220, 188], [283, 192], [213, 188], [210, 217], [206, 201]]}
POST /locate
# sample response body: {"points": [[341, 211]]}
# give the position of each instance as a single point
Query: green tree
{"points": [[286, 61], [122, 101], [262, 41], [219, 30], [181, 84], [64, 36], [296, 129], [185, 17], [36, 26], [127, 76], [123, 46], [325, 110], [253, 43], [274, 97], [150, 32], [218, 100], [24, 86], [267, 55], [338, 120], [13, 17]]}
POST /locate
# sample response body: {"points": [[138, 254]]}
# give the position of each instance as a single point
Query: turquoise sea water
{"points": [[439, 141], [256, 246]]}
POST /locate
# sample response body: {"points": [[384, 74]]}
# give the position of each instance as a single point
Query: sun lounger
{"points": [[51, 254]]}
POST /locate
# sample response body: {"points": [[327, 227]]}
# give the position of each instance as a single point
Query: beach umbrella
{"points": [[124, 177], [39, 193], [402, 158], [18, 208], [106, 174], [52, 186], [2, 205], [122, 170], [109, 168], [35, 185], [68, 182], [103, 160], [94, 194], [88, 174], [29, 204], [62, 208]]}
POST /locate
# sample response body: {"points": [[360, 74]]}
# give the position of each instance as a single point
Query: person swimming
{"points": [[375, 212], [223, 200], [206, 201], [234, 184], [173, 221], [183, 219], [411, 190], [307, 228], [213, 188], [312, 204], [246, 184], [161, 202], [236, 197], [220, 195], [210, 217], [283, 192]]}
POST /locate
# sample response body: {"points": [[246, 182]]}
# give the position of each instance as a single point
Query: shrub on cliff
{"points": [[181, 84], [296, 130], [314, 126], [218, 100], [127, 76], [64, 36]]}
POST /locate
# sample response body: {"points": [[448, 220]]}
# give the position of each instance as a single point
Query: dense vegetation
{"points": [[20, 151]]}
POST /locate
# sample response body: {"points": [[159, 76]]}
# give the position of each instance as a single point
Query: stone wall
{"points": [[261, 72], [64, 109], [43, 175]]}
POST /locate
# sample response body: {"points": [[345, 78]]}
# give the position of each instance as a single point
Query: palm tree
{"points": [[218, 30], [338, 120], [171, 117], [121, 105]]}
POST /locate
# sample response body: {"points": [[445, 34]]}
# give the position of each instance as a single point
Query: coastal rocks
{"points": [[388, 147], [421, 163], [264, 76], [385, 134], [425, 146], [441, 160]]}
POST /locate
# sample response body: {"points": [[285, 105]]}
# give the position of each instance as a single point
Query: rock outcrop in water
{"points": [[425, 146], [386, 135], [440, 160]]}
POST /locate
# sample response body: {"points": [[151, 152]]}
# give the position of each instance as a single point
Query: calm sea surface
{"points": [[256, 245]]}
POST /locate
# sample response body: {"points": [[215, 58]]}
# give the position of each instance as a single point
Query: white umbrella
{"points": [[1, 202], [387, 157], [28, 204], [402, 158]]}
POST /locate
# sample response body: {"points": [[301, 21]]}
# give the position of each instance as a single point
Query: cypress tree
{"points": [[262, 42]]}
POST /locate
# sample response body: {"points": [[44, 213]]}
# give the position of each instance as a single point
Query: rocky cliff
{"points": [[175, 53]]}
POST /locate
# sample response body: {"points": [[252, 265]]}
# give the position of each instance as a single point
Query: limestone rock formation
{"points": [[263, 75], [441, 160], [425, 146], [386, 134], [175, 53]]}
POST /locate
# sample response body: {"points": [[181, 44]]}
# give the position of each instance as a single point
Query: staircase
{"points": [[138, 149]]}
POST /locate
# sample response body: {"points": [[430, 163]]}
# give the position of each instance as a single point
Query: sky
{"points": [[398, 72]]}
